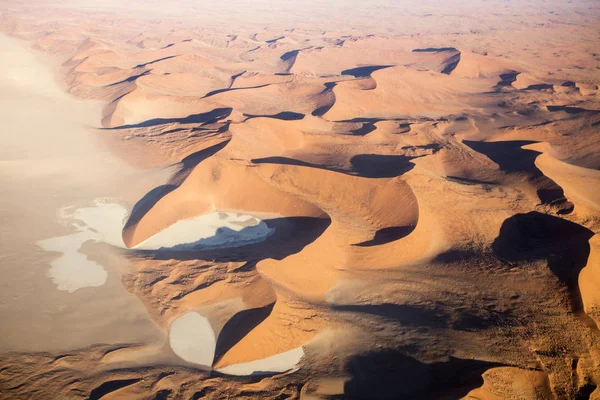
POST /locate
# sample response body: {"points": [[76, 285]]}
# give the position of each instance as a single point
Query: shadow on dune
{"points": [[570, 110], [540, 86], [403, 314], [214, 92], [204, 118], [390, 374], [513, 159], [284, 116], [130, 79], [289, 55], [111, 386], [365, 129], [434, 49], [374, 120], [468, 181], [507, 79], [238, 326], [152, 197], [468, 319], [363, 165], [154, 61], [536, 236], [451, 62], [365, 71], [320, 111], [387, 235], [290, 236]]}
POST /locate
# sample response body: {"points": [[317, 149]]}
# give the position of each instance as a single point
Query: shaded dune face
{"points": [[562, 244], [398, 217], [513, 159]]}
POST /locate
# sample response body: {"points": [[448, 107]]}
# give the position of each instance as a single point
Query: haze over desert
{"points": [[300, 200]]}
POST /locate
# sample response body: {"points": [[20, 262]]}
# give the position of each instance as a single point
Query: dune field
{"points": [[300, 200]]}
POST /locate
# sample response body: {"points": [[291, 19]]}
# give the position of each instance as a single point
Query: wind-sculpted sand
{"points": [[316, 201]]}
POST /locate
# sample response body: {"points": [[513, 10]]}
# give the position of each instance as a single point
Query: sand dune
{"points": [[306, 200]]}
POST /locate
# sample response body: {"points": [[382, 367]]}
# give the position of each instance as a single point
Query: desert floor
{"points": [[316, 200]]}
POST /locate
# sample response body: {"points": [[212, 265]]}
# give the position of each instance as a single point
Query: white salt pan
{"points": [[215, 229], [281, 362], [104, 221], [72, 270], [192, 338]]}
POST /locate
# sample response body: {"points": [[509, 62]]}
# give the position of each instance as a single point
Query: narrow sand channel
{"points": [[53, 169]]}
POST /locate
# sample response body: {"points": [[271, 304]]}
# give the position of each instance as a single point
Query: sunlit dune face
{"points": [[303, 200]]}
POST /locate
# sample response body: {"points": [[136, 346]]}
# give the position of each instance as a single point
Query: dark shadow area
{"points": [[154, 61], [451, 65], [372, 120], [222, 129], [434, 49], [457, 255], [403, 128], [223, 238], [507, 79], [387, 235], [540, 86], [366, 128], [130, 79], [463, 318], [238, 326], [403, 314], [284, 116], [234, 77], [451, 62], [205, 118], [230, 89], [152, 197], [468, 181], [363, 72], [319, 112], [328, 87], [274, 40], [289, 55], [568, 84], [111, 386], [290, 236], [392, 375], [364, 165], [536, 236], [381, 166], [513, 159], [569, 110], [585, 392], [163, 394], [203, 393]]}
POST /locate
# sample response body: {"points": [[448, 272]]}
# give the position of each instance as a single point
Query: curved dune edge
{"points": [[282, 362], [275, 334], [582, 187], [589, 281], [510, 382]]}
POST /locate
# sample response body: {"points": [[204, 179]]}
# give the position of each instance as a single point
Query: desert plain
{"points": [[300, 200]]}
